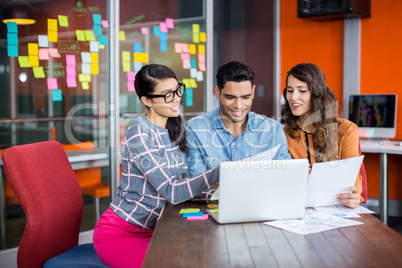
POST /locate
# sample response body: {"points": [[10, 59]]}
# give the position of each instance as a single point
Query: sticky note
{"points": [[81, 78], [192, 49], [63, 21], [200, 218], [185, 210], [33, 49], [122, 35], [186, 64], [97, 29], [201, 49], [12, 50], [86, 68], [105, 24], [71, 81], [192, 214], [89, 35], [144, 30], [185, 56], [97, 19], [201, 57], [94, 68], [141, 57], [163, 37], [126, 66], [189, 97], [131, 76], [52, 83], [80, 35], [94, 57], [196, 28], [193, 72], [157, 30], [101, 46], [38, 72], [33, 60], [185, 48], [192, 82], [70, 60], [137, 66], [169, 23], [177, 48], [54, 53], [163, 27], [87, 77], [56, 95], [203, 37], [94, 46], [125, 56], [186, 82], [85, 85], [200, 76], [85, 57], [43, 41], [192, 63], [196, 38], [12, 38], [163, 47], [130, 86], [52, 36], [12, 27], [102, 39], [52, 24], [137, 47], [70, 70], [201, 67], [43, 54], [215, 211], [23, 61]]}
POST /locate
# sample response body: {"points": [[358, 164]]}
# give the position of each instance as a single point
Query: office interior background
{"points": [[267, 35]]}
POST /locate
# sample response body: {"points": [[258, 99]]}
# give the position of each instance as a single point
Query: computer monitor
{"points": [[374, 114]]}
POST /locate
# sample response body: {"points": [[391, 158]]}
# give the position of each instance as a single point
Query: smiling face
{"points": [[298, 96], [158, 110], [235, 101]]}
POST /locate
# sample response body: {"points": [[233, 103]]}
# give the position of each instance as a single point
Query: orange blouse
{"points": [[348, 146]]}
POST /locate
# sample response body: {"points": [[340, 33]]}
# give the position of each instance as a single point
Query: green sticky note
{"points": [[186, 82], [126, 66], [85, 85], [125, 56], [63, 21], [23, 61], [38, 72], [187, 210], [89, 36], [80, 35], [122, 35], [196, 28], [193, 83]]}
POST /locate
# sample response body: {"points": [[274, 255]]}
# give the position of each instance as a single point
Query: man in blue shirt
{"points": [[232, 131]]}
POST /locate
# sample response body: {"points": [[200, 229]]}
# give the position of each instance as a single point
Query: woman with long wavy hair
{"points": [[313, 127]]}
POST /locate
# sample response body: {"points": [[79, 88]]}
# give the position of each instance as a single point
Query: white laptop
{"points": [[261, 190]]}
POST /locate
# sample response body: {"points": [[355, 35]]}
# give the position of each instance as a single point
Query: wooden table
{"points": [[177, 242]]}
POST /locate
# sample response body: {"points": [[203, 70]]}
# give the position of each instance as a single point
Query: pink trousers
{"points": [[119, 243]]}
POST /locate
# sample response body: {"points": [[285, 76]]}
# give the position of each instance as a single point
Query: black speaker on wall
{"points": [[333, 9]]}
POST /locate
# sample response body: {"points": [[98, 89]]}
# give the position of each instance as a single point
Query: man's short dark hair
{"points": [[234, 71]]}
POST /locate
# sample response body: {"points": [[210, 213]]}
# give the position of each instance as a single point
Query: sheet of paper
{"points": [[337, 210], [328, 179]]}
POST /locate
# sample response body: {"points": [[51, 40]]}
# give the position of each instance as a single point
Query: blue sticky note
{"points": [[97, 19], [12, 50], [163, 46], [102, 40], [97, 29], [192, 63], [56, 95], [12, 38], [157, 30], [163, 37], [137, 47], [12, 27], [137, 66], [189, 97], [192, 214]]}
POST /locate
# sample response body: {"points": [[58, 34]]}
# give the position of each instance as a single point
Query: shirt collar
{"points": [[217, 121]]}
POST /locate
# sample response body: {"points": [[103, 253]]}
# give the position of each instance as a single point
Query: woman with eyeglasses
{"points": [[154, 171]]}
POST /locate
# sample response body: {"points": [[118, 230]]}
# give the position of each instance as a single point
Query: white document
{"points": [[313, 223], [327, 179], [345, 212], [266, 155]]}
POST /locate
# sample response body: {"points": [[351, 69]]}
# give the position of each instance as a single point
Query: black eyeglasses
{"points": [[169, 96]]}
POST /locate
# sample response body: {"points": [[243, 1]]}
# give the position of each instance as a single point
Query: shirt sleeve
{"points": [[145, 155], [194, 156]]}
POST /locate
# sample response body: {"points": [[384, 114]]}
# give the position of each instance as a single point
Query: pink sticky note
{"points": [[201, 66], [199, 218], [71, 70], [71, 81], [185, 48], [201, 57], [177, 48], [52, 83], [169, 23], [54, 53], [144, 30], [186, 64], [43, 54], [130, 86], [70, 60], [130, 76], [163, 27], [185, 56], [105, 24]]}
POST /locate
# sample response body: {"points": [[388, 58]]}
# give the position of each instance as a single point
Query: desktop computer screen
{"points": [[374, 114]]}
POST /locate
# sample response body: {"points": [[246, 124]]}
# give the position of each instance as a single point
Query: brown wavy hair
{"points": [[323, 112]]}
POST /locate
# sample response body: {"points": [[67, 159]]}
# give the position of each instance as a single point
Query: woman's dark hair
{"points": [[145, 82], [323, 111]]}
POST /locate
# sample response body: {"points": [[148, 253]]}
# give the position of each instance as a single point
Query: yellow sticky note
{"points": [[122, 35], [33, 49], [63, 21], [203, 37], [33, 60], [186, 82], [125, 56], [38, 72], [192, 49], [23, 61], [88, 77], [94, 57], [52, 24], [126, 66], [193, 83], [196, 28], [196, 38], [89, 35], [85, 85], [141, 57], [94, 68], [101, 46], [52, 36], [80, 35], [81, 78], [186, 210], [201, 49]]}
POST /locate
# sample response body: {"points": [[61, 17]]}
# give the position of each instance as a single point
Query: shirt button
{"points": [[233, 144]]}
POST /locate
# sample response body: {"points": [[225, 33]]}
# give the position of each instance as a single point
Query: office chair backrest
{"points": [[44, 182]]}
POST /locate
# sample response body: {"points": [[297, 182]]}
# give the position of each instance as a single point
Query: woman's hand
{"points": [[350, 200]]}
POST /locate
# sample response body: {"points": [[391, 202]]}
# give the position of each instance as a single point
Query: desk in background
{"points": [[79, 159], [177, 242], [383, 148]]}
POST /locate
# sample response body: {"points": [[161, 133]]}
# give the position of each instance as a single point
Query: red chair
{"points": [[44, 182], [364, 181]]}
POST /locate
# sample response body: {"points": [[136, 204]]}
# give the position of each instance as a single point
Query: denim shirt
{"points": [[210, 143]]}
